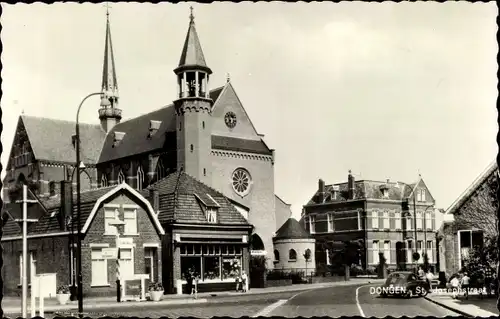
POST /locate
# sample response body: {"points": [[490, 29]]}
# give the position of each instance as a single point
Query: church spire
{"points": [[192, 54], [109, 113]]}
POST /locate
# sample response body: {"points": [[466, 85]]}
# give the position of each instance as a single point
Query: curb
{"points": [[460, 312]]}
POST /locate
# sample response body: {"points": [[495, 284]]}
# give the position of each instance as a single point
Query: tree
{"points": [[382, 266], [307, 257]]}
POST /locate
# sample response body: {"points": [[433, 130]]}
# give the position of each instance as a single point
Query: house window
{"points": [[359, 221], [330, 222], [429, 250], [312, 224], [150, 264], [409, 222], [387, 224], [292, 255], [140, 177], [397, 220], [276, 256], [419, 220], [387, 251], [375, 251], [126, 262], [385, 193], [130, 219], [99, 268], [110, 214], [409, 252], [121, 177], [428, 221], [211, 215], [104, 181], [420, 249], [32, 266], [375, 220], [422, 195]]}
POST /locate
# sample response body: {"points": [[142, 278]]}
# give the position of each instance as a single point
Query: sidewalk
{"points": [[473, 307], [12, 305]]}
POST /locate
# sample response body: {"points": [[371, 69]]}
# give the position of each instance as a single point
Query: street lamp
{"points": [[79, 239]]}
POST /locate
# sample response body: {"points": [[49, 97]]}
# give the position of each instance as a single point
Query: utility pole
{"points": [[25, 220]]}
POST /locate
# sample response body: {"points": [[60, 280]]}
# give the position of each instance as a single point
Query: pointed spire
{"points": [[109, 85], [192, 54]]}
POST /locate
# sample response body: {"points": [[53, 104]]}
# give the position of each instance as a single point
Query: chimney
{"points": [[321, 191], [155, 200], [350, 185], [66, 209]]}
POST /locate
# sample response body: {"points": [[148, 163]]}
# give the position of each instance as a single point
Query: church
{"points": [[193, 181]]}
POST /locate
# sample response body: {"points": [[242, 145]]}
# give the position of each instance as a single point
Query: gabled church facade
{"points": [[205, 135]]}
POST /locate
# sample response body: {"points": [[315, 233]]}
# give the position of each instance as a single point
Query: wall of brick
{"points": [[52, 256], [283, 246], [260, 200], [95, 234]]}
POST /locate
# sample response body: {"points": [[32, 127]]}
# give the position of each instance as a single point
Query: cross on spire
{"points": [[107, 6], [191, 16], [228, 77]]}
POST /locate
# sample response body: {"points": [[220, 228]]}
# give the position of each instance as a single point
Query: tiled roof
{"points": [[137, 140], [178, 194], [50, 224], [192, 54], [291, 229], [365, 189], [51, 139], [240, 145], [491, 169]]}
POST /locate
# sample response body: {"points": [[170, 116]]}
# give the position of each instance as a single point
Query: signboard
{"points": [[109, 253], [125, 241], [258, 252], [132, 289]]}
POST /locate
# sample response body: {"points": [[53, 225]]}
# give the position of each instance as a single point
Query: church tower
{"points": [[193, 108], [109, 113]]}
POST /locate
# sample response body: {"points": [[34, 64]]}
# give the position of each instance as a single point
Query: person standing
{"points": [[421, 273], [189, 280], [244, 281], [465, 285], [454, 286]]}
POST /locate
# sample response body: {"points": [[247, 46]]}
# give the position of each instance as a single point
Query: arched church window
{"points": [[121, 178], [160, 170], [140, 177], [241, 181], [292, 254], [104, 181], [276, 255], [52, 188]]}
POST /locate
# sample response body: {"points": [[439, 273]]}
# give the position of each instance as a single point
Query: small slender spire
{"points": [[192, 54], [109, 85], [228, 78], [191, 16]]}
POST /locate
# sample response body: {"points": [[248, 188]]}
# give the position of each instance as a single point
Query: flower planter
{"points": [[156, 295], [63, 298]]}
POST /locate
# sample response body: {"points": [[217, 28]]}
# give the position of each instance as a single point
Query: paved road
{"points": [[341, 301]]}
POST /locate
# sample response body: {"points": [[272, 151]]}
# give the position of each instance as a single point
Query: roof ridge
{"points": [[57, 120]]}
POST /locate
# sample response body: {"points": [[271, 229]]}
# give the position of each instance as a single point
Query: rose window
{"points": [[241, 181]]}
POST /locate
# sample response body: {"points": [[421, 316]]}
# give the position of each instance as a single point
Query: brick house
{"points": [[206, 132], [176, 224], [290, 244], [469, 221], [384, 216]]}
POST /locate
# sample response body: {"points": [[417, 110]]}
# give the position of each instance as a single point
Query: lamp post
{"points": [[79, 239]]}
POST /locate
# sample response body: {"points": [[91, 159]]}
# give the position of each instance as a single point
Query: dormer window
{"points": [[211, 214], [384, 189], [335, 192], [118, 137], [154, 126]]}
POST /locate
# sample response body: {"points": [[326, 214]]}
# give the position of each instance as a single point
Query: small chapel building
{"points": [[193, 182]]}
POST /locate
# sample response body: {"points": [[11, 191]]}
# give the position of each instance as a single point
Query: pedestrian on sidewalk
{"points": [[244, 281], [237, 279], [465, 285], [454, 286], [189, 280], [196, 279]]}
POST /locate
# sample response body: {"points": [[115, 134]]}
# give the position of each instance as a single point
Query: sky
{"points": [[387, 90]]}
